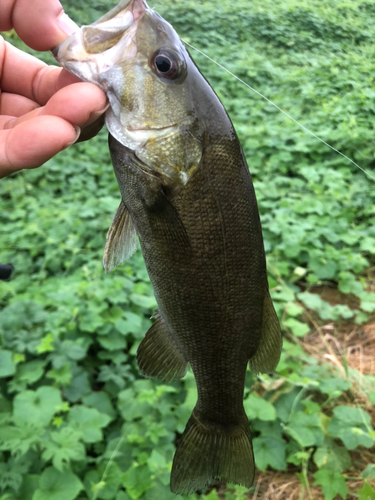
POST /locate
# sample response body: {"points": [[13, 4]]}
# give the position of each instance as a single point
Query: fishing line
{"points": [[281, 110], [106, 470]]}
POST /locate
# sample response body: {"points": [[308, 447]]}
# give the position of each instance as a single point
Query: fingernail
{"points": [[67, 25], [78, 133], [96, 114]]}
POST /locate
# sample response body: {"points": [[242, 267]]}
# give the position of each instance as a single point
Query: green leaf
{"points": [[89, 422], [332, 457], [257, 407], [298, 328], [269, 429], [73, 350], [323, 308], [352, 426], [46, 344], [367, 306], [112, 342], [212, 496], [79, 387], [136, 481], [369, 472], [334, 387], [113, 314], [156, 461], [31, 371], [11, 474], [20, 439], [332, 484], [269, 451], [293, 309], [162, 491], [311, 300], [144, 301], [306, 429], [7, 367], [36, 407], [367, 492], [29, 485], [311, 406], [324, 269], [103, 482], [350, 285], [288, 401], [90, 321], [56, 485], [352, 415], [62, 376], [361, 318], [101, 401], [130, 407], [297, 457], [121, 495], [62, 447], [131, 324]]}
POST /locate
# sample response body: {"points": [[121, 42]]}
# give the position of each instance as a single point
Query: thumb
{"points": [[41, 24]]}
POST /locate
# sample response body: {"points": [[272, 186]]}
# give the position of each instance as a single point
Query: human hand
{"points": [[42, 108]]}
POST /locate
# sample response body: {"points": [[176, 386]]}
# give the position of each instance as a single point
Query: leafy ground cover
{"points": [[76, 419]]}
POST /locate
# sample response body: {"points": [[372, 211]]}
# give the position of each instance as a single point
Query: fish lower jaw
{"points": [[152, 128], [142, 135], [135, 138]]}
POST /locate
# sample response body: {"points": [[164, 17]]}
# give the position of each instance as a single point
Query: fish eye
{"points": [[165, 64]]}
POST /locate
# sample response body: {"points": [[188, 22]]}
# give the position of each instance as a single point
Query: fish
{"points": [[188, 196]]}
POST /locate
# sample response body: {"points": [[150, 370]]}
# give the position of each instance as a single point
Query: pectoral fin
{"points": [[158, 355], [269, 350], [121, 239]]}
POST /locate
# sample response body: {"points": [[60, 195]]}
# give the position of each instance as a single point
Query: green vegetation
{"points": [[76, 419]]}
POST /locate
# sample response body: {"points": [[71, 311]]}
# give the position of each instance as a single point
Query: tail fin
{"points": [[210, 451]]}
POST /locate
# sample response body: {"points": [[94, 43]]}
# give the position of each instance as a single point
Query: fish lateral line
{"points": [[281, 110]]}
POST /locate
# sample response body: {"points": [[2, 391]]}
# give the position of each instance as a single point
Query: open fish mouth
{"points": [[103, 43]]}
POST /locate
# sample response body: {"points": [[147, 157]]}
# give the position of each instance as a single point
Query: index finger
{"points": [[41, 24], [23, 74]]}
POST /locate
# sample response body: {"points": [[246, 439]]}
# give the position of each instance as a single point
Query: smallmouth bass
{"points": [[186, 192]]}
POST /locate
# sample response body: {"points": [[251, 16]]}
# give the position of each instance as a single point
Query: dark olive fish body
{"points": [[187, 194], [204, 254]]}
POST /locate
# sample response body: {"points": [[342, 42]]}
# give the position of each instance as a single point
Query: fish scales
{"points": [[197, 290], [186, 192]]}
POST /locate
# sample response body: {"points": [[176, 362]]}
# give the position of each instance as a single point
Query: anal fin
{"points": [[158, 355], [268, 354], [121, 239]]}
